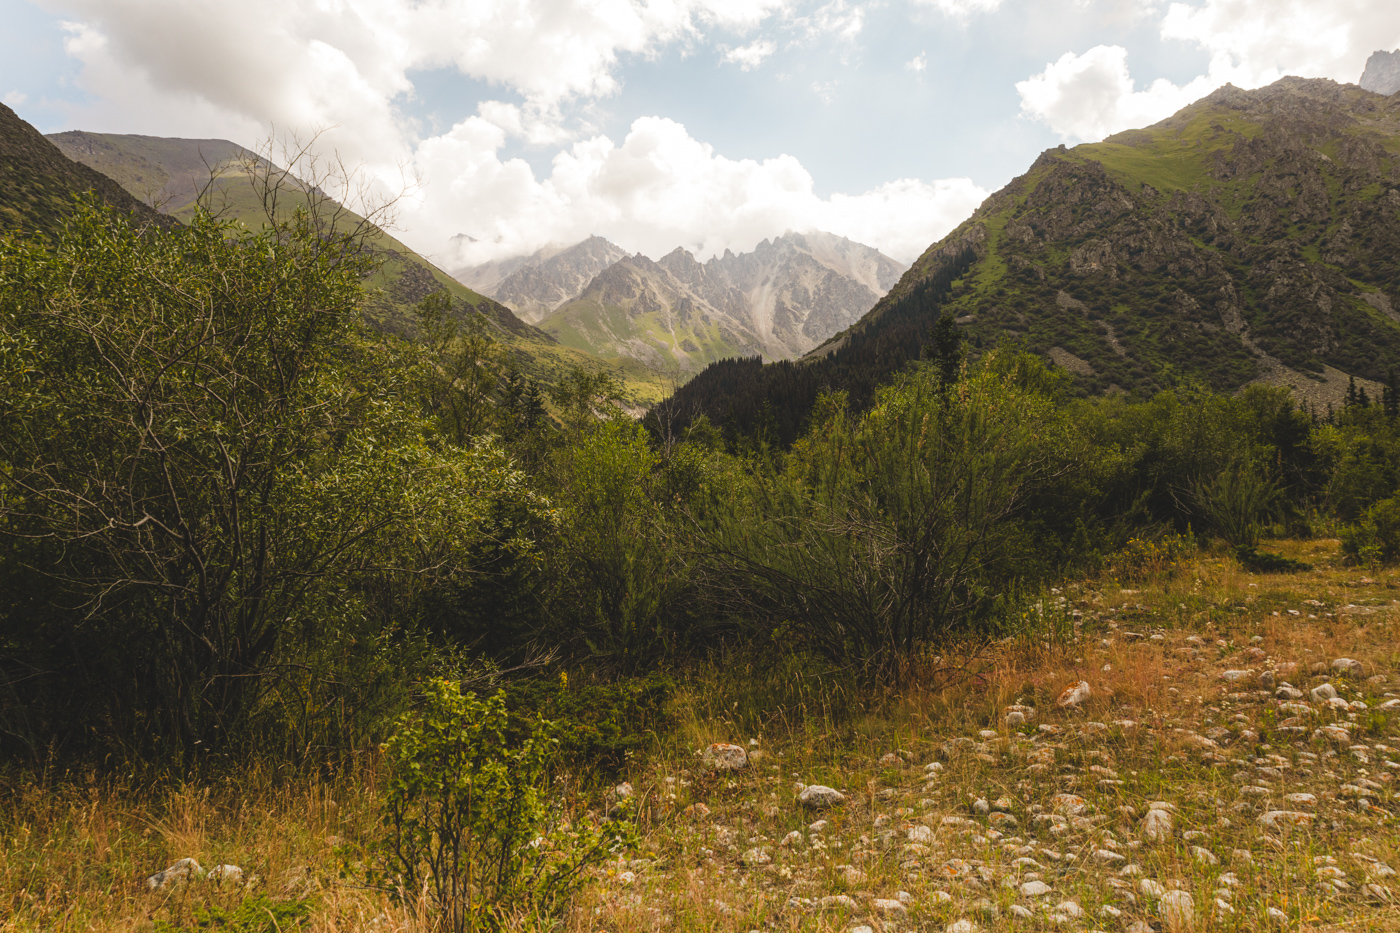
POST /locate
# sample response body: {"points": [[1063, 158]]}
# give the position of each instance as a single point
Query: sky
{"points": [[502, 126]]}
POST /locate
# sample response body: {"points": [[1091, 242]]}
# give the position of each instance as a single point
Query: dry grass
{"points": [[74, 853]]}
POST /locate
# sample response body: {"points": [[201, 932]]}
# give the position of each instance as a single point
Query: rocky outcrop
{"points": [[1382, 74], [535, 285]]}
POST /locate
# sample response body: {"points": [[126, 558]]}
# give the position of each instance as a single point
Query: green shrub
{"points": [[1376, 538], [466, 817], [597, 725]]}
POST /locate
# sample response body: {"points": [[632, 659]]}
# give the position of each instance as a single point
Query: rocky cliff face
{"points": [[1250, 236], [537, 284], [1382, 74], [778, 301]]}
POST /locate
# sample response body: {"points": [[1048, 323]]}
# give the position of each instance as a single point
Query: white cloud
{"points": [[962, 9], [749, 57], [15, 98], [659, 189], [171, 67], [1090, 96], [1251, 43], [837, 18], [1255, 40], [917, 64]]}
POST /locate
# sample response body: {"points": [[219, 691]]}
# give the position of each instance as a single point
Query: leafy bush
{"points": [[597, 725], [1376, 538], [889, 530], [465, 814]]}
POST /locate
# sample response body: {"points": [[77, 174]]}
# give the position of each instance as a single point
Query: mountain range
{"points": [[779, 301], [1252, 236], [163, 181]]}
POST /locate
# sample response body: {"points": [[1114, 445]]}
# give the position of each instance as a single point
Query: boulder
{"points": [[1074, 695], [820, 797], [1178, 912], [181, 871], [724, 757]]}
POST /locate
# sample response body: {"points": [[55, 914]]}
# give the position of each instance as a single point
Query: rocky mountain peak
{"points": [[1382, 74]]}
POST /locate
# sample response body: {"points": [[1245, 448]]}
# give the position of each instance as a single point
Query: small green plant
{"points": [[258, 914], [466, 817]]}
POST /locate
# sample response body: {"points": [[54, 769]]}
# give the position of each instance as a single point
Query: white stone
{"points": [[1204, 856], [1277, 916], [1235, 677], [1035, 889], [756, 856], [724, 757], [1149, 888], [843, 901], [793, 838], [819, 797], [1323, 692], [1347, 667], [891, 908], [1074, 694], [961, 926], [1178, 912], [1070, 909], [1157, 825], [1283, 819], [183, 870], [920, 834], [230, 873]]}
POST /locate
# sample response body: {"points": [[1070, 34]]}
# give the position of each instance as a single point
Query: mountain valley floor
{"points": [[1233, 767]]}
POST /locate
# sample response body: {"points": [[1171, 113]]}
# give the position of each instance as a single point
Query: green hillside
{"points": [[177, 175], [1251, 236], [37, 184]]}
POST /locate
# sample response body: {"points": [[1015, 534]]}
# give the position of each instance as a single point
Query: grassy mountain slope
{"points": [[676, 313], [176, 174], [1250, 236], [636, 309], [37, 183]]}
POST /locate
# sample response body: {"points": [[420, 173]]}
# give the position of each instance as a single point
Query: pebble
{"points": [[1347, 667], [1035, 889], [920, 834], [1277, 916], [959, 926]]}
